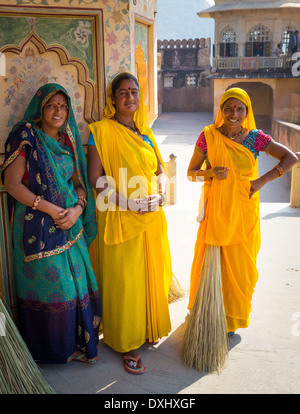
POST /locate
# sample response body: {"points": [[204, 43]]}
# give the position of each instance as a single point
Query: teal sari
{"points": [[58, 299]]}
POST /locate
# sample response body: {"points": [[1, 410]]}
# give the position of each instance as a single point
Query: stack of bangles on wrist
{"points": [[36, 201], [279, 170], [81, 202]]}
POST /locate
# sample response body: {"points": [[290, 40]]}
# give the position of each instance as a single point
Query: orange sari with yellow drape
{"points": [[231, 222]]}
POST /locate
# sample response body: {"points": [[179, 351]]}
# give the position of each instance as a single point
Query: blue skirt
{"points": [[58, 301]]}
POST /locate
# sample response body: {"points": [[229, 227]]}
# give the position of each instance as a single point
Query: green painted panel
{"points": [[75, 34], [13, 30]]}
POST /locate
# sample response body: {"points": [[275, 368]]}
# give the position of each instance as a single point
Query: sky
{"points": [[178, 19]]}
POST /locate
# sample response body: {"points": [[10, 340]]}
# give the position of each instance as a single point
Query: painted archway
{"points": [[32, 64]]}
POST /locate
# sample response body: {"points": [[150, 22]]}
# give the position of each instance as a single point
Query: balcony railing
{"points": [[252, 63]]}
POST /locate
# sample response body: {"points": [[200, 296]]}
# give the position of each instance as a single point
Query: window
{"points": [[259, 42], [286, 38], [259, 34], [168, 81], [228, 47], [191, 80]]}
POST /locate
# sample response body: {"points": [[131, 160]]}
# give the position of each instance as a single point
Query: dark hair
{"points": [[222, 106], [59, 91], [119, 78]]}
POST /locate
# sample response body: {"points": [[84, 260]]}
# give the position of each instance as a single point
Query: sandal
{"points": [[131, 364], [154, 342], [81, 357]]}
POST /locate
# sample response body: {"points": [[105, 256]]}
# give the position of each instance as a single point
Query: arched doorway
{"points": [[261, 96]]}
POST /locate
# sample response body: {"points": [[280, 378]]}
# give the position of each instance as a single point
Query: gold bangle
{"points": [[279, 170], [83, 199], [36, 202]]}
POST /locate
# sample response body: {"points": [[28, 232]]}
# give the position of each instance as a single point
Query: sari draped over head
{"points": [[231, 218], [47, 179], [133, 162], [238, 93], [58, 300], [134, 268]]}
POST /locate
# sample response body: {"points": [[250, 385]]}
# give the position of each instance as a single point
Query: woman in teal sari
{"points": [[53, 219]]}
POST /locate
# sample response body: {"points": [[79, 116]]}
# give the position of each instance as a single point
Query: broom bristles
{"points": [[205, 339], [19, 374], [176, 292]]}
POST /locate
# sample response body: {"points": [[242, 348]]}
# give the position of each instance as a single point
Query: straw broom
{"points": [[19, 374], [205, 338], [176, 292]]}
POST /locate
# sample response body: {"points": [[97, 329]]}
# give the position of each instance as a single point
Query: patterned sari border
{"points": [[42, 255], [14, 155], [59, 307], [72, 139]]}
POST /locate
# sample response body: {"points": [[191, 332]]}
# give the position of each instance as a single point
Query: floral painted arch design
{"points": [[65, 59]]}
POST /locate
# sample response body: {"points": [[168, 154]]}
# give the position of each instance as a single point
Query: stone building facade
{"points": [[183, 67], [246, 36]]}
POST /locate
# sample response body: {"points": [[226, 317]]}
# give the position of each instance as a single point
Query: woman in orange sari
{"points": [[230, 148]]}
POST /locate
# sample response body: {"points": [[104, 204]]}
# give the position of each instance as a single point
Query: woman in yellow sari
{"points": [[230, 148], [133, 257]]}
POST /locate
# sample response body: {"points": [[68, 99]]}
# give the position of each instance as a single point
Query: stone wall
{"points": [[287, 134]]}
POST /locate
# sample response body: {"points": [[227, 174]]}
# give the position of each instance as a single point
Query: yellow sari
{"points": [[133, 266], [231, 221]]}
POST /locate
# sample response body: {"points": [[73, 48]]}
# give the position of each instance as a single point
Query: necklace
{"points": [[58, 137], [234, 136], [135, 130]]}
